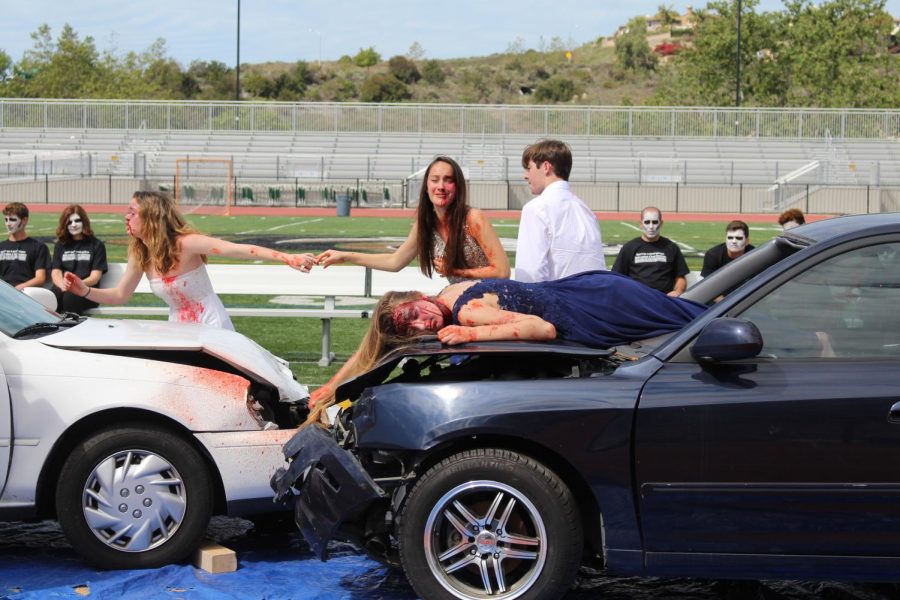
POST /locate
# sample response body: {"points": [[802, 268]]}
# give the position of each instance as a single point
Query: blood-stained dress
{"points": [[191, 299], [596, 308]]}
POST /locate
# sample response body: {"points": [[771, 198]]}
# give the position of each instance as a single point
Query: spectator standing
{"points": [[558, 233], [24, 261], [448, 237], [737, 242], [653, 259], [77, 251], [792, 217]]}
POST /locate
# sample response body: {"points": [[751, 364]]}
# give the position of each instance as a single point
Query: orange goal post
{"points": [[204, 182]]}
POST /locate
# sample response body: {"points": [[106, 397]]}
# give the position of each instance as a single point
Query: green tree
{"points": [[6, 64], [837, 55], [404, 69], [433, 72], [556, 89], [632, 50], [66, 67], [667, 14], [366, 57], [833, 54], [383, 87], [416, 51]]}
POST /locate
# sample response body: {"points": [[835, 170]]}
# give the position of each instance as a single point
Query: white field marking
{"points": [[276, 227], [684, 246]]}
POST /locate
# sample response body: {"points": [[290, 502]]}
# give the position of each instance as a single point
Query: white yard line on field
{"points": [[276, 227]]}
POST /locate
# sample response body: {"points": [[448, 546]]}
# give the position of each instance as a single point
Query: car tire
{"points": [[134, 497], [490, 523]]}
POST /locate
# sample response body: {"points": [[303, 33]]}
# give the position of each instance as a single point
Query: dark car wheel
{"points": [[490, 523], [134, 497]]}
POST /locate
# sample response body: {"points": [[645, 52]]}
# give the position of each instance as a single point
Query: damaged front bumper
{"points": [[333, 491]]}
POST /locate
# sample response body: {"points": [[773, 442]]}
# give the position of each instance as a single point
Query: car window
{"points": [[18, 311], [845, 307]]}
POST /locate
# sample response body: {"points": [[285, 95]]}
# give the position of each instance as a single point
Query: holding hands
{"points": [[301, 262], [331, 257]]}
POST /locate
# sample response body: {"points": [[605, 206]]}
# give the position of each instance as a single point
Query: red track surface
{"points": [[280, 211]]}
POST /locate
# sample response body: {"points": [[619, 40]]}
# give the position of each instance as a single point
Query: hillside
{"points": [[588, 76]]}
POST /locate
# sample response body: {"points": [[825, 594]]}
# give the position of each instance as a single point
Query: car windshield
{"points": [[18, 311]]}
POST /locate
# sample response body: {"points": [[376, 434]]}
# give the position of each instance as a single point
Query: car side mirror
{"points": [[43, 296], [726, 339]]}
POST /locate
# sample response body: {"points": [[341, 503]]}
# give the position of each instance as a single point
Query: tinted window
{"points": [[847, 306]]}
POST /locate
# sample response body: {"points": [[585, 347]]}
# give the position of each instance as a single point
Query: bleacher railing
{"points": [[448, 119]]}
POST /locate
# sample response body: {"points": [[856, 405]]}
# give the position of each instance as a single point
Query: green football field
{"points": [[299, 340]]}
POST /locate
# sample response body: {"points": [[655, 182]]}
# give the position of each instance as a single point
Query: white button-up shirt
{"points": [[558, 236]]}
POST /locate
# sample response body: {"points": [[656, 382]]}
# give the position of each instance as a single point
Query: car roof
{"points": [[837, 227]]}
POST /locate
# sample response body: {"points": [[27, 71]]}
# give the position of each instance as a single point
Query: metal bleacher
{"points": [[746, 156]]}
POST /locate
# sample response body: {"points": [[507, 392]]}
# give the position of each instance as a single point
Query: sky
{"points": [[292, 30]]}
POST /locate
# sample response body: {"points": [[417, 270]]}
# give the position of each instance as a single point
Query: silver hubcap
{"points": [[484, 539], [134, 501]]}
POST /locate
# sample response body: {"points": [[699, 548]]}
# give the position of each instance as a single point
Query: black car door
{"points": [[798, 450]]}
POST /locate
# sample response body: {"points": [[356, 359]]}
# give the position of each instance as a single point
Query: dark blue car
{"points": [[760, 441]]}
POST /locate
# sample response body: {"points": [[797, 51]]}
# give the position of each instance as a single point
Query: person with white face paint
{"points": [[24, 261], [736, 244], [77, 251], [652, 259]]}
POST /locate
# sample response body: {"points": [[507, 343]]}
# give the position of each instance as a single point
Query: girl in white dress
{"points": [[173, 256]]}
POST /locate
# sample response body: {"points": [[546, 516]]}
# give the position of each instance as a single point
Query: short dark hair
{"points": [[16, 208], [555, 152], [738, 225], [792, 214]]}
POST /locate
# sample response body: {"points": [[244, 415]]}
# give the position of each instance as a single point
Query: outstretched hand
{"points": [[330, 257], [301, 262], [73, 283], [457, 334]]}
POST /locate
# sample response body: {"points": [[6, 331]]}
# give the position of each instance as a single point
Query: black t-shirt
{"points": [[80, 257], [656, 264], [20, 260], [717, 257]]}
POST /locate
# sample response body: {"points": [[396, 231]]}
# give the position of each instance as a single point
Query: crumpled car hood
{"points": [[229, 346]]}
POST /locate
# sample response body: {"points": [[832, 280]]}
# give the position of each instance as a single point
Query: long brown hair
{"points": [[381, 337], [62, 230], [161, 226], [426, 222]]}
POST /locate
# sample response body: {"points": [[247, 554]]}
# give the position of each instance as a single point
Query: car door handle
{"points": [[894, 414]]}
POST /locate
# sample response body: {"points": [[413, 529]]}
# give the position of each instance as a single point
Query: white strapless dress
{"points": [[191, 299]]}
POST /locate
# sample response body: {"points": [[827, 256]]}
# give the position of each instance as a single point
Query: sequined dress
{"points": [[191, 298], [596, 308], [475, 256]]}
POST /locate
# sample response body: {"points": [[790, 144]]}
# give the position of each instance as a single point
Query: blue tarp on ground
{"points": [[35, 562]]}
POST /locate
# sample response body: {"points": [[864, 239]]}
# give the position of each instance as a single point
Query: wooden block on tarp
{"points": [[214, 558]]}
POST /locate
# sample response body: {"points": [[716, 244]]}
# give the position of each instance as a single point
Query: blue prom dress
{"points": [[596, 308]]}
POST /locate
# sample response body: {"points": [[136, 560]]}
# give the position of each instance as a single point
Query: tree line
{"points": [[837, 53]]}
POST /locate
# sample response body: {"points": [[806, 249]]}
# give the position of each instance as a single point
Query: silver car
{"points": [[133, 433]]}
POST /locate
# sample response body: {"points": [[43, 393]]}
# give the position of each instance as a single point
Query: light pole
{"points": [[737, 59], [318, 33], [237, 70]]}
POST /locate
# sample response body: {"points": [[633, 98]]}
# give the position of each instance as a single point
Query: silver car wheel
{"points": [[485, 539], [134, 500]]}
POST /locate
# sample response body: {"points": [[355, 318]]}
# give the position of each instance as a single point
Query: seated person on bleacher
{"points": [[77, 251]]}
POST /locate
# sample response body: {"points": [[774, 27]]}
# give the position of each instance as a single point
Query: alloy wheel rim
{"points": [[485, 539], [134, 501]]}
